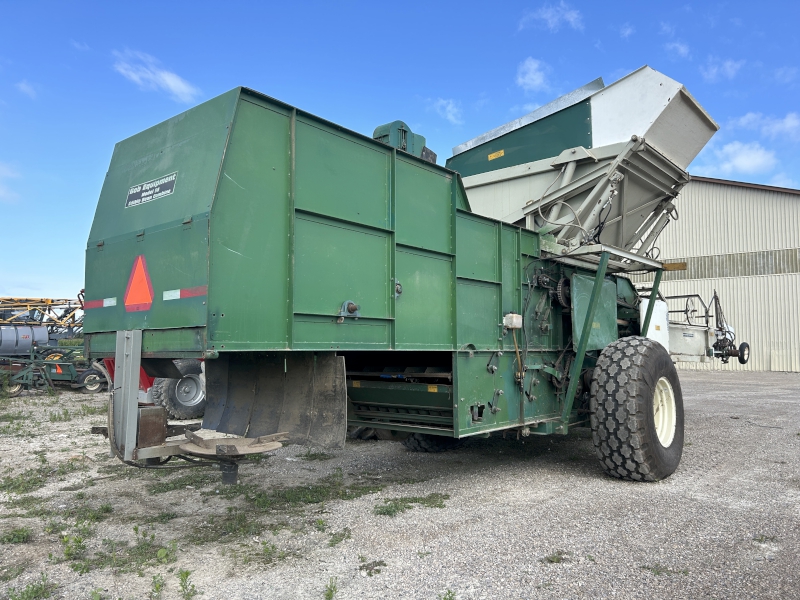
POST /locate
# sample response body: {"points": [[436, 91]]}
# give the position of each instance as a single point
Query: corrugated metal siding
{"points": [[727, 219], [762, 310], [744, 243]]}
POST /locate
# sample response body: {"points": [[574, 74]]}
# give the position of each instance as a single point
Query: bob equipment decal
{"points": [[151, 190]]}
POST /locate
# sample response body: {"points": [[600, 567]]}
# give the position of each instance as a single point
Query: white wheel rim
{"points": [[92, 382], [189, 390], [664, 412]]}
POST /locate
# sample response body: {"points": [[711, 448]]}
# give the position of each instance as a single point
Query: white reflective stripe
{"points": [[172, 295], [109, 302]]}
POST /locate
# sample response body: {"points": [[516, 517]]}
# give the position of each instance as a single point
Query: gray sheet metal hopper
{"points": [[615, 189]]}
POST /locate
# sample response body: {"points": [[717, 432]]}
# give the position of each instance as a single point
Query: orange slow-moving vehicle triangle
{"points": [[139, 293]]}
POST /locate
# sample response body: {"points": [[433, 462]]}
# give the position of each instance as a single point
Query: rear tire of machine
{"points": [[422, 442], [165, 391], [634, 385]]}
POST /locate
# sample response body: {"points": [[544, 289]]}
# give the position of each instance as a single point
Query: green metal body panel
{"points": [[546, 137], [278, 220], [604, 325]]}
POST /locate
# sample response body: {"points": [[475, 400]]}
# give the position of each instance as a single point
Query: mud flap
{"points": [[255, 394]]}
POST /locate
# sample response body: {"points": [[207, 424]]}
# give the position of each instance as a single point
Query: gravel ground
{"points": [[725, 525]]}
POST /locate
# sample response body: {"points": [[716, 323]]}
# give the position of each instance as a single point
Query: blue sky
{"points": [[76, 77]]}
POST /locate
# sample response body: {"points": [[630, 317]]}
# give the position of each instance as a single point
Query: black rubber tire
{"points": [[387, 435], [91, 375], [744, 353], [165, 392], [12, 390], [422, 442], [623, 425]]}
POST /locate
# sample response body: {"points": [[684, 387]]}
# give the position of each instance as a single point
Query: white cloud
{"points": [[678, 48], [787, 127], [26, 88], [553, 16], [483, 100], [532, 75], [740, 158], [626, 31], [666, 29], [784, 181], [146, 72], [716, 69], [79, 45], [7, 196], [785, 74], [448, 109]]}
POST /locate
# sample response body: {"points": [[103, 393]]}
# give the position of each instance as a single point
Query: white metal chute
{"points": [[646, 129]]}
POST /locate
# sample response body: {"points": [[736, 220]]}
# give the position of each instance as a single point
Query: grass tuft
{"points": [[372, 568], [394, 506], [339, 537], [188, 591], [33, 479], [557, 557], [763, 539], [309, 455], [34, 591], [331, 589], [20, 535], [327, 489]]}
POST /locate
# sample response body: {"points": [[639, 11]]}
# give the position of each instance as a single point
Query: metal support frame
{"points": [[125, 394], [580, 353], [651, 303]]}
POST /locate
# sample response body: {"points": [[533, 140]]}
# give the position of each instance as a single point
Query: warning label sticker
{"points": [[151, 190]]}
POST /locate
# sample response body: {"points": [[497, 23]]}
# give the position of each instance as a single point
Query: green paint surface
{"points": [[547, 137]]}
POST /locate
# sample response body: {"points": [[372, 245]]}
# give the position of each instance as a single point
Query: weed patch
{"points": [[372, 568], [32, 506], [339, 536], [232, 526], [309, 455], [327, 489], [331, 589], [124, 558], [188, 591], [89, 411], [20, 535], [11, 572], [270, 553], [60, 417], [763, 539], [34, 591], [162, 518], [33, 479], [394, 506], [157, 587], [191, 479], [88, 514], [559, 556]]}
